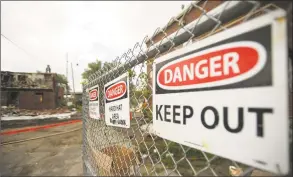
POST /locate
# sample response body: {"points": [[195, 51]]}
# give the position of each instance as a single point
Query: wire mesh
{"points": [[137, 151]]}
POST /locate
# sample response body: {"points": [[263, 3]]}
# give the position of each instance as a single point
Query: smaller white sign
{"points": [[94, 108], [117, 109]]}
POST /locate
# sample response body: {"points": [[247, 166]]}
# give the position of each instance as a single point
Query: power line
{"points": [[18, 46]]}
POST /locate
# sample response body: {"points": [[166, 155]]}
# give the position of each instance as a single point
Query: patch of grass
{"points": [[159, 169], [194, 156], [151, 169], [79, 108]]}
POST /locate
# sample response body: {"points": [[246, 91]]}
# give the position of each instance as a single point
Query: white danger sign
{"points": [[94, 108], [228, 94], [117, 111]]}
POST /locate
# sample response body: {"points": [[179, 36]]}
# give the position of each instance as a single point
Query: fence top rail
{"points": [[227, 11]]}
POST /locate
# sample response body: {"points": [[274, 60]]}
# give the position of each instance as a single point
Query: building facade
{"points": [[30, 90]]}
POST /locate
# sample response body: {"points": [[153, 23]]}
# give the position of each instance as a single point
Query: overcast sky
{"points": [[86, 30]]}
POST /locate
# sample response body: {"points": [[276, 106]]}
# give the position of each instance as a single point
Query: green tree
{"points": [[60, 78], [95, 67], [62, 81], [92, 68]]}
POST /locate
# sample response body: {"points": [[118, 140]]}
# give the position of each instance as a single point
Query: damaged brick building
{"points": [[30, 90]]}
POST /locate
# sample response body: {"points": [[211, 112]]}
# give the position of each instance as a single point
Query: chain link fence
{"points": [[137, 151]]}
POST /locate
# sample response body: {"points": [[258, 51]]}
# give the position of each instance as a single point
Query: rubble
{"points": [[12, 111], [235, 171], [26, 80], [148, 129]]}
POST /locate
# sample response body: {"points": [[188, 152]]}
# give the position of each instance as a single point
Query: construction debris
{"points": [[12, 111], [26, 80], [234, 171]]}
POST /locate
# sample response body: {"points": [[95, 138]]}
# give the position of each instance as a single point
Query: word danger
{"points": [[116, 91], [93, 94], [221, 63], [178, 114]]}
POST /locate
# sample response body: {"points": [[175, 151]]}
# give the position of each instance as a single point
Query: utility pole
{"points": [[67, 91], [73, 83]]}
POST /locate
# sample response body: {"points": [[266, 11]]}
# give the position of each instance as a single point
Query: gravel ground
{"points": [[59, 155]]}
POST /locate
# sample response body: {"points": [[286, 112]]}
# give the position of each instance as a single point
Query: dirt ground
{"points": [[34, 122], [59, 155]]}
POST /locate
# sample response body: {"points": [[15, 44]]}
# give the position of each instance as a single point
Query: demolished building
{"points": [[30, 90]]}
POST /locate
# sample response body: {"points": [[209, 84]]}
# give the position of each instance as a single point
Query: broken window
{"points": [[5, 80], [13, 98], [40, 95], [21, 77]]}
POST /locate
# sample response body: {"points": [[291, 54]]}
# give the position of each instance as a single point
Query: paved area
{"points": [[59, 155]]}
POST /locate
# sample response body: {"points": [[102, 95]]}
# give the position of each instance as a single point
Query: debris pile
{"points": [[12, 111], [26, 80]]}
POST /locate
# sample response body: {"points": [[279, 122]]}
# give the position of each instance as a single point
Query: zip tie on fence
{"points": [[39, 137]]}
